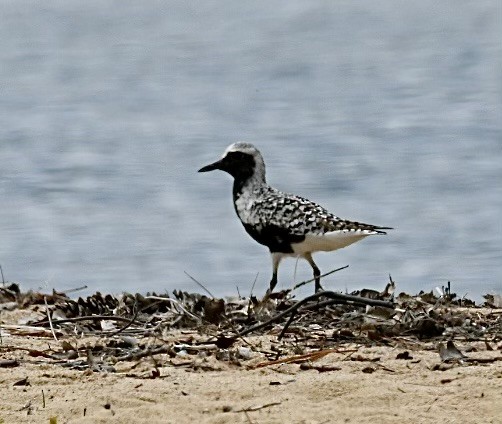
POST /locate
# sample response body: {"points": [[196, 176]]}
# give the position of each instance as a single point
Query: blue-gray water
{"points": [[386, 112]]}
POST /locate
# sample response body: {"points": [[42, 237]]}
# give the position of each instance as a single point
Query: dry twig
{"points": [[321, 276], [336, 297], [49, 318]]}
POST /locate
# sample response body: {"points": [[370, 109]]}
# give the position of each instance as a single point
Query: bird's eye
{"points": [[238, 155]]}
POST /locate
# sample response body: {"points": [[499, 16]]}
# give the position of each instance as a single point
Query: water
{"points": [[383, 112]]}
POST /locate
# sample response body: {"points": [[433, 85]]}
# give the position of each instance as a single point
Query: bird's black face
{"points": [[239, 165]]}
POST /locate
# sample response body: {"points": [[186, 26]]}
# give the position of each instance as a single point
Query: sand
{"points": [[208, 390]]}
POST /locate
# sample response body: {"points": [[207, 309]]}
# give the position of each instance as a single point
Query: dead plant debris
{"points": [[207, 334]]}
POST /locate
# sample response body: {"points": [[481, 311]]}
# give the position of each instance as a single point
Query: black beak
{"points": [[211, 167]]}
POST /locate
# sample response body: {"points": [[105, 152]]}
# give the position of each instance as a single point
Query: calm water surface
{"points": [[385, 112]]}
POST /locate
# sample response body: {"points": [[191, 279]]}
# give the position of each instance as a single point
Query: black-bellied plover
{"points": [[288, 225]]}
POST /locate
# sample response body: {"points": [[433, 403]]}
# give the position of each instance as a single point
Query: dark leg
{"points": [[276, 258], [317, 276], [273, 282], [317, 272]]}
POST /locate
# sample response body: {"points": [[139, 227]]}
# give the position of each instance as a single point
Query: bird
{"points": [[289, 225]]}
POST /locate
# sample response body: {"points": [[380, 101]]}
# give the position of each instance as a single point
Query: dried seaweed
{"points": [[186, 329]]}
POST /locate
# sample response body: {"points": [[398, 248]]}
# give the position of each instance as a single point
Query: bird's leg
{"points": [[276, 259], [317, 276], [317, 271], [273, 282]]}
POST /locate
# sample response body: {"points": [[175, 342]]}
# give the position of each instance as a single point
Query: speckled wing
{"points": [[300, 216]]}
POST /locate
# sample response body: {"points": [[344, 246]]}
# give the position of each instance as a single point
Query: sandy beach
{"points": [[348, 383]]}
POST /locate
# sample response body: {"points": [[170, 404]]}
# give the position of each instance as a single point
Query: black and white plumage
{"points": [[288, 225]]}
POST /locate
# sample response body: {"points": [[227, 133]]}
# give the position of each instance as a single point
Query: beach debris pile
{"points": [[97, 332]]}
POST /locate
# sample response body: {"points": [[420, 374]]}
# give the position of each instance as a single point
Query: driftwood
{"points": [[336, 298]]}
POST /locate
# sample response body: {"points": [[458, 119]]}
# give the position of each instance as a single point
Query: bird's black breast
{"points": [[277, 239]]}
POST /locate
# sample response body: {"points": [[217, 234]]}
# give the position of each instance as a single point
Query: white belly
{"points": [[327, 242]]}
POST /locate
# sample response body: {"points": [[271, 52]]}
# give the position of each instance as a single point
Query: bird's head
{"points": [[241, 160]]}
